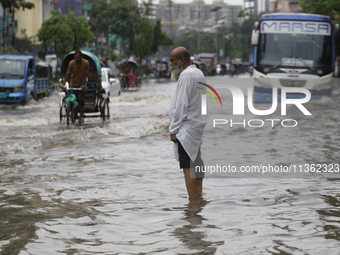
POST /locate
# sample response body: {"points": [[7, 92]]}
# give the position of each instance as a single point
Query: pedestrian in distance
{"points": [[77, 72], [186, 121]]}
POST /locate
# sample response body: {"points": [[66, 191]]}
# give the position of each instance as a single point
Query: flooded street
{"points": [[116, 188]]}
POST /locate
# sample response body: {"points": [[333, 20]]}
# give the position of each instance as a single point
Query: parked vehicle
{"points": [[218, 69], [236, 67], [96, 100], [210, 62], [44, 80], [129, 76], [18, 79], [110, 83], [223, 69], [162, 69]]}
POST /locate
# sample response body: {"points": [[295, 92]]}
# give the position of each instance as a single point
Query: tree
{"points": [[159, 37], [80, 30], [109, 54], [24, 44], [9, 49], [119, 17], [125, 19], [11, 5], [144, 40], [64, 33], [246, 31], [324, 7], [189, 41]]}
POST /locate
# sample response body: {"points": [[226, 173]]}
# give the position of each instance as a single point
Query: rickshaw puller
{"points": [[77, 71]]}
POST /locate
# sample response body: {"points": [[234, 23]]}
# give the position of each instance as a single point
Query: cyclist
{"points": [[77, 71]]}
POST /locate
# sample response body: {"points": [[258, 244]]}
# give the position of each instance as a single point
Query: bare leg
{"points": [[194, 187], [199, 187], [81, 112]]}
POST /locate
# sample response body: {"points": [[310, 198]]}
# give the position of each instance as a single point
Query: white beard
{"points": [[176, 72]]}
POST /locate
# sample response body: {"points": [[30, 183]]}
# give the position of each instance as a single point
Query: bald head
{"points": [[182, 52], [181, 56]]}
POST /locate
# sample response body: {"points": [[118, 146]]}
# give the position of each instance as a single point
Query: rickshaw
{"points": [[129, 76], [162, 69], [96, 99]]}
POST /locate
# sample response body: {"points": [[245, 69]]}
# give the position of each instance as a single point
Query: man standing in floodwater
{"points": [[186, 121]]}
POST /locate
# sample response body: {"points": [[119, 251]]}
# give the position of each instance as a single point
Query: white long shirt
{"points": [[186, 120]]}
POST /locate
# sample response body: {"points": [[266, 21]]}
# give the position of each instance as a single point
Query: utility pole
{"points": [[199, 28], [4, 39], [170, 26], [216, 31]]}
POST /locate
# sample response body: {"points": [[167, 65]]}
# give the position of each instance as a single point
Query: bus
{"points": [[293, 50]]}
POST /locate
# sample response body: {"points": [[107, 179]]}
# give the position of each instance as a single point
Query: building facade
{"points": [[29, 20], [261, 6], [285, 6], [48, 5], [64, 6], [258, 7], [196, 15]]}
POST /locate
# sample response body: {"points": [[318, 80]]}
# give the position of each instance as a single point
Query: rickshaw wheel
{"points": [[70, 114], [62, 112], [106, 110]]}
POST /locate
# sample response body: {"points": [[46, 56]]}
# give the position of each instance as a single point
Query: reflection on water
{"points": [[115, 187], [192, 233], [331, 217]]}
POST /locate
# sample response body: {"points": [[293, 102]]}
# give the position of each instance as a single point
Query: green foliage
{"points": [[24, 43], [234, 40], [246, 31], [147, 6], [144, 41], [189, 41], [234, 44], [126, 20], [143, 69], [64, 33], [109, 54], [159, 37], [324, 7], [16, 4], [57, 33], [80, 30], [9, 49], [120, 17]]}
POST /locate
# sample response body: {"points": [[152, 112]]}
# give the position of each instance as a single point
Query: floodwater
{"points": [[116, 188]]}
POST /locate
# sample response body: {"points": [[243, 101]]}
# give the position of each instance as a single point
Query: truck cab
{"points": [[17, 78]]}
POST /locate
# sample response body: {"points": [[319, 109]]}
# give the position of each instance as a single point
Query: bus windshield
{"points": [[12, 68], [299, 51]]}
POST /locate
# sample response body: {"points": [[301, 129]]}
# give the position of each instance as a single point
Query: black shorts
{"points": [[80, 95], [186, 162]]}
